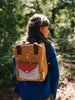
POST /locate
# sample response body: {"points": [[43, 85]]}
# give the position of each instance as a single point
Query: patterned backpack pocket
{"points": [[28, 71]]}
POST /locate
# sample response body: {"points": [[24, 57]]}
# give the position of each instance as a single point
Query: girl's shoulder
{"points": [[52, 48]]}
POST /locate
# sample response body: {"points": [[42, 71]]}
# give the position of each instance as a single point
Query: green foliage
{"points": [[11, 27], [64, 45]]}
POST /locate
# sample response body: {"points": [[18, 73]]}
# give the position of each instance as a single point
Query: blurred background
{"points": [[14, 15]]}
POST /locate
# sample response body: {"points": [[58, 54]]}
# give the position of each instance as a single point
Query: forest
{"points": [[14, 15]]}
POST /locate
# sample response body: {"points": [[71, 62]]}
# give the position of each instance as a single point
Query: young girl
{"points": [[37, 30]]}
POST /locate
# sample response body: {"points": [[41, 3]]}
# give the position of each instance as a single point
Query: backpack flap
{"points": [[25, 67]]}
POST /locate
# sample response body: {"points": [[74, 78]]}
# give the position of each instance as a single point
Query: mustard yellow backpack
{"points": [[31, 64]]}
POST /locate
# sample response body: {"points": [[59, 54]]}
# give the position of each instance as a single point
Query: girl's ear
{"points": [[41, 29]]}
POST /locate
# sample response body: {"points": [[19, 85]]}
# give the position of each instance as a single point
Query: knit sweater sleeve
{"points": [[13, 58], [54, 72]]}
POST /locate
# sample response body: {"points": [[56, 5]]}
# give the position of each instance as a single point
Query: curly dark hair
{"points": [[33, 29]]}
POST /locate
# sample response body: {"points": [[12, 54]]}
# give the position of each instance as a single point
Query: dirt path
{"points": [[66, 92]]}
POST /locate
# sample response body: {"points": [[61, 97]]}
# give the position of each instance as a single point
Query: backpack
{"points": [[31, 63]]}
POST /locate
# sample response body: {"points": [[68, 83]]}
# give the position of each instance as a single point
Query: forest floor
{"points": [[66, 88]]}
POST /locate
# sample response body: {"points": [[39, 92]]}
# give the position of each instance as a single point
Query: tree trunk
{"points": [[72, 21], [53, 19]]}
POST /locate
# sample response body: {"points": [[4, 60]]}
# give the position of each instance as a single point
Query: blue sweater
{"points": [[29, 90]]}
